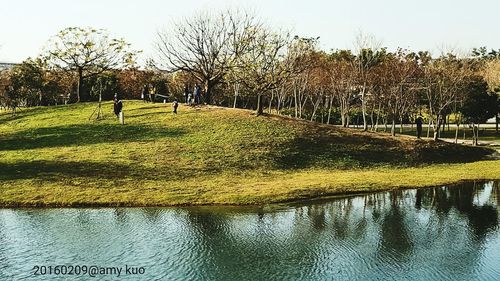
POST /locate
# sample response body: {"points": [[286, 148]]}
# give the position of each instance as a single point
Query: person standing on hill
{"points": [[118, 108], [144, 93], [196, 94], [152, 93], [175, 104], [186, 93], [419, 122]]}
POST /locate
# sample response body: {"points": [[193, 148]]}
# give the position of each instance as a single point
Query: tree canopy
{"points": [[88, 52]]}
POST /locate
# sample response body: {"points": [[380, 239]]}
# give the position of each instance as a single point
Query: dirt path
{"points": [[493, 144], [469, 142]]}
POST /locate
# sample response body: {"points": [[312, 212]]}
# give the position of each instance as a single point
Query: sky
{"points": [[434, 25]]}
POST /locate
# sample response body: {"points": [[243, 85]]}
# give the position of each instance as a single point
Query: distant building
{"points": [[7, 65]]}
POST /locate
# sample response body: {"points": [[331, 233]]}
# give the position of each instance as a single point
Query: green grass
{"points": [[55, 156]]}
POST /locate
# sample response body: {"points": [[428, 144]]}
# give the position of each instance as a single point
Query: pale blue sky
{"points": [[25, 25]]}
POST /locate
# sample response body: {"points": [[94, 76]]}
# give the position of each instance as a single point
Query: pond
{"points": [[442, 233]]}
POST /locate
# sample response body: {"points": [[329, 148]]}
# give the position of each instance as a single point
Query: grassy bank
{"points": [[56, 157]]}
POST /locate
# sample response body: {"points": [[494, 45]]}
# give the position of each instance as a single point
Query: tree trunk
{"points": [[315, 108], [436, 128], [278, 105], [439, 129], [302, 105], [477, 134], [429, 128], [393, 127], [208, 87], [99, 111], [329, 110], [378, 113], [497, 121], [80, 84], [372, 123], [463, 125], [363, 108], [271, 101], [443, 123], [259, 105], [295, 99], [235, 95], [474, 136]]}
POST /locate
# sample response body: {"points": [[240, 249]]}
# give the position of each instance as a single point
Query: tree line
{"points": [[241, 62]]}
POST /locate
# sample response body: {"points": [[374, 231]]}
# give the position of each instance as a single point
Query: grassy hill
{"points": [[56, 156]]}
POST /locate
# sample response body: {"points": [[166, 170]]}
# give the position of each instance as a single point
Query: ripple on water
{"points": [[431, 234]]}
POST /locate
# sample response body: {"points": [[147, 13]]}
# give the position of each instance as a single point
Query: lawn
{"points": [[56, 156]]}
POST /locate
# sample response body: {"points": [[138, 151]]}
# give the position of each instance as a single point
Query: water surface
{"points": [[443, 233]]}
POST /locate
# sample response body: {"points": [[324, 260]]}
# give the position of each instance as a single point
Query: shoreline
{"points": [[288, 202]]}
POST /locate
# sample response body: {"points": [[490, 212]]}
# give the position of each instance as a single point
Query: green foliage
{"points": [[88, 52], [32, 84], [479, 105], [27, 83]]}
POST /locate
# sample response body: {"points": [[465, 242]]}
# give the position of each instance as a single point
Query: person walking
{"points": [[419, 122], [175, 104]]}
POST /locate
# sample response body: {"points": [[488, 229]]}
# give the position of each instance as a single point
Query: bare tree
{"points": [[299, 59], [366, 48], [342, 82], [207, 45], [400, 69], [264, 66], [443, 79]]}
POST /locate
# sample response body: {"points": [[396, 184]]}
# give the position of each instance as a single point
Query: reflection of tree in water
{"points": [[495, 195], [351, 222], [4, 247], [212, 241], [482, 219], [121, 215], [153, 215], [208, 223], [414, 228], [267, 246], [395, 240], [317, 215]]}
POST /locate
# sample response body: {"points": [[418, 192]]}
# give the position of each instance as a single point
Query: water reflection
{"points": [[443, 233]]}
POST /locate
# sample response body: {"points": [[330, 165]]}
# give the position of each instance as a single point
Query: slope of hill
{"points": [[56, 156]]}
